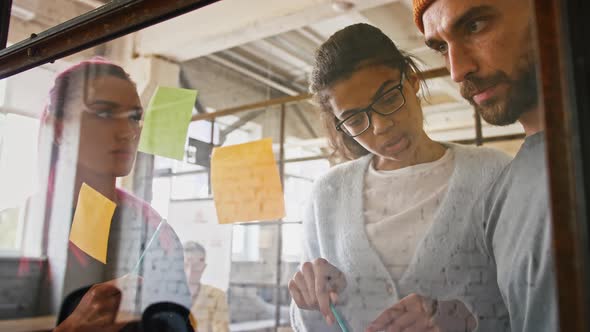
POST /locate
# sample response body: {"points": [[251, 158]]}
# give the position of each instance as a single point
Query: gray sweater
{"points": [[516, 232], [446, 265]]}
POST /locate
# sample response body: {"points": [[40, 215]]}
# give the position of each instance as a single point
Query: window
{"points": [[18, 171], [246, 243], [20, 111]]}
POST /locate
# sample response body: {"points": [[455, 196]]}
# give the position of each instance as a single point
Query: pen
{"points": [[339, 319]]}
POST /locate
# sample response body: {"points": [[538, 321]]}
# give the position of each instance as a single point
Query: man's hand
{"points": [[318, 283]]}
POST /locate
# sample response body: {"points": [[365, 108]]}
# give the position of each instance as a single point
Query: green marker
{"points": [[339, 319]]}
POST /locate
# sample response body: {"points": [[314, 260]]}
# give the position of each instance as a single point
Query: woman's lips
{"points": [[396, 146], [124, 154]]}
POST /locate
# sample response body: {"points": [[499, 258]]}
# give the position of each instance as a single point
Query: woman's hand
{"points": [[98, 308], [416, 313], [318, 283]]}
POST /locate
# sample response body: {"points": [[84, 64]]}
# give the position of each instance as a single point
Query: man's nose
{"points": [[461, 62]]}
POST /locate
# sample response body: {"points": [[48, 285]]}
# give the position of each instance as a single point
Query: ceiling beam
{"points": [[249, 107], [237, 124], [435, 73], [267, 103], [277, 86], [256, 64], [49, 13], [281, 51], [244, 21], [311, 35], [92, 3]]}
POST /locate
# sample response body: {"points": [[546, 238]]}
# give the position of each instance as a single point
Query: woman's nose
{"points": [[126, 131], [381, 123]]}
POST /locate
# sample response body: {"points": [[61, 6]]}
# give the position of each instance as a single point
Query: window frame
{"points": [[562, 78], [567, 150], [113, 20]]}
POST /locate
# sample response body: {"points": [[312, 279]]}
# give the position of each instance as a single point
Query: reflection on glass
{"points": [[33, 16], [398, 224], [89, 134]]}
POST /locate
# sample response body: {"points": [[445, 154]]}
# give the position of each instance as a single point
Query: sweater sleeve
{"points": [[310, 245], [310, 251], [308, 320]]}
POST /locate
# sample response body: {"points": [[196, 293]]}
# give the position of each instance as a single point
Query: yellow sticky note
{"points": [[92, 223], [246, 183], [166, 122]]}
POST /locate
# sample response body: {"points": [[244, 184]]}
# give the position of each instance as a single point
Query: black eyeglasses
{"points": [[389, 102]]}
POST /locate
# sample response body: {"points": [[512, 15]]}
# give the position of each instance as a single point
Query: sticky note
{"points": [[246, 183], [166, 122], [92, 223]]}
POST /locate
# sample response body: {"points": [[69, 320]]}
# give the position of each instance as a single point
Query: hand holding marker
{"points": [[339, 318], [316, 287]]}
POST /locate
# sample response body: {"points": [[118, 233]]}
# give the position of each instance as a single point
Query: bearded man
{"points": [[488, 47]]}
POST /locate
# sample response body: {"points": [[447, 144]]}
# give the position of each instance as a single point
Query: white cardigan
{"points": [[445, 266]]}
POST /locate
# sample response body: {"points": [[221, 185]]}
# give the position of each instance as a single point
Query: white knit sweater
{"points": [[445, 266]]}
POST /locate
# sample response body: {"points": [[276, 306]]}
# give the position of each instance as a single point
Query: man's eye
{"points": [[476, 26], [442, 49]]}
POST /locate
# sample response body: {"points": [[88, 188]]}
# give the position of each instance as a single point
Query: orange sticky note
{"points": [[246, 183], [92, 223]]}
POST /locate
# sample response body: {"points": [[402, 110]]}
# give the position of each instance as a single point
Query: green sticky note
{"points": [[166, 121]]}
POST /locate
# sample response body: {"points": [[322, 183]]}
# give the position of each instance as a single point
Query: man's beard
{"points": [[522, 94]]}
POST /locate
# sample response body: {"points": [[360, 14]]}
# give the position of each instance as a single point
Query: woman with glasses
{"points": [[91, 129], [382, 229]]}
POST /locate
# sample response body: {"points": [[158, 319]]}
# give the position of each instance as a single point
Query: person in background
{"points": [[385, 227], [209, 307], [94, 118], [489, 48]]}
